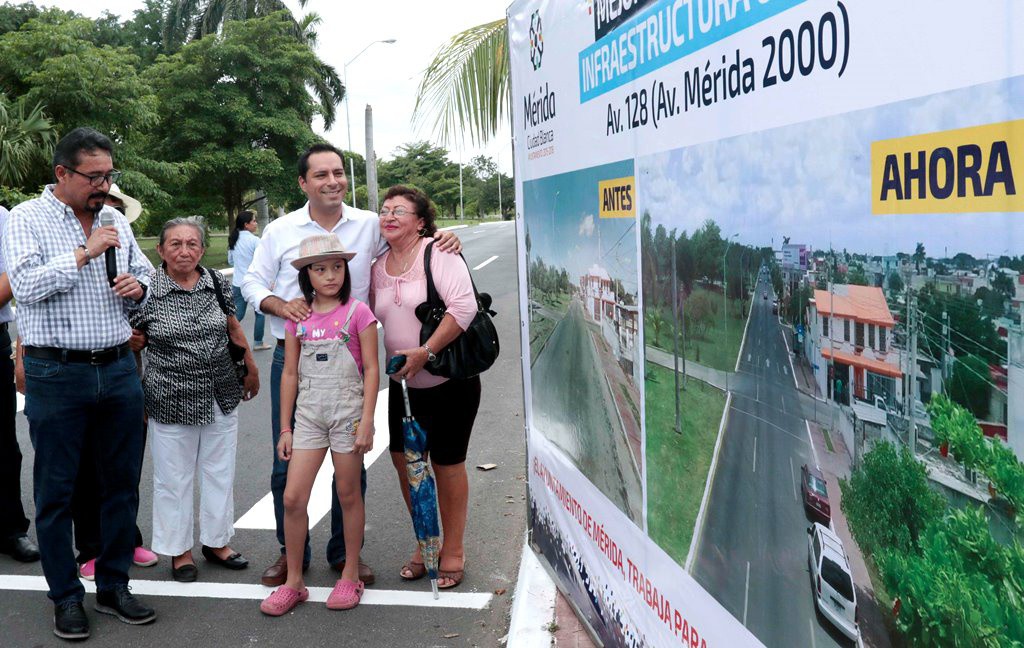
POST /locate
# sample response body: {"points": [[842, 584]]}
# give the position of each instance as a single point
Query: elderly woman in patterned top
{"points": [[192, 395]]}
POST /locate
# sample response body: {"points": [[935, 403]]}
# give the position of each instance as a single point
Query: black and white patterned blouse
{"points": [[187, 360]]}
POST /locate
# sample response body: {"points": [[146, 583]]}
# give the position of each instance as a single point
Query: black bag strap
{"points": [[217, 290], [433, 298]]}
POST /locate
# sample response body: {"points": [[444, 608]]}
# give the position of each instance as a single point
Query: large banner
{"points": [[730, 209]]}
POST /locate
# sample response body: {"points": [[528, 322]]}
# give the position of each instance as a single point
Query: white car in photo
{"points": [[832, 580]]}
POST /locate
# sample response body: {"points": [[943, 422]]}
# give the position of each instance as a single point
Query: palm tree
{"points": [[919, 257], [26, 137], [466, 86], [191, 19]]}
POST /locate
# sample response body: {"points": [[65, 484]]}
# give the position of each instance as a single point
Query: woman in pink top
{"points": [[445, 408]]}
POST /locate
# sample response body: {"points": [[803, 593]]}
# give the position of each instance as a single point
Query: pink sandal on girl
{"points": [[283, 600], [345, 595]]}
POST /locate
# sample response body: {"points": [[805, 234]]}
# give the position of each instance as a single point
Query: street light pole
{"points": [[348, 117]]}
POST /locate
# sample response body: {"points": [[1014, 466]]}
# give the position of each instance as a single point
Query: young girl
{"points": [[330, 380]]}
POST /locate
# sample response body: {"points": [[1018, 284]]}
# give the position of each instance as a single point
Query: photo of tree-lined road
{"points": [[809, 361], [583, 327]]}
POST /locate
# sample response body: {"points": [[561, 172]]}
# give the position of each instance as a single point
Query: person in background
{"points": [[80, 375], [85, 503], [242, 242], [192, 396], [14, 525]]}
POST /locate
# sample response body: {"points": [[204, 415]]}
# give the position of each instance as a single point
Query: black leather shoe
{"points": [[21, 549], [234, 561], [121, 603], [187, 573], [69, 620]]}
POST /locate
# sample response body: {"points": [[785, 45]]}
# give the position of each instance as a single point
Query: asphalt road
{"points": [[572, 407], [394, 613], [752, 555]]}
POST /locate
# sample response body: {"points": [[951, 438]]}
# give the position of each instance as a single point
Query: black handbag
{"points": [[236, 352], [475, 350]]}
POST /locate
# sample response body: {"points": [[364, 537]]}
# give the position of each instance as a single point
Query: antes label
{"points": [[617, 198]]}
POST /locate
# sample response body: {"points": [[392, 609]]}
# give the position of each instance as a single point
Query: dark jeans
{"points": [[279, 475], [240, 306], [70, 405], [13, 523], [85, 507]]}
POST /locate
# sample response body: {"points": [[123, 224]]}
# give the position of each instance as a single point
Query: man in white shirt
{"points": [[272, 287]]}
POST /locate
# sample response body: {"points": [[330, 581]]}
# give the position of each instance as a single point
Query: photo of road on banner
{"points": [[834, 369], [583, 327]]}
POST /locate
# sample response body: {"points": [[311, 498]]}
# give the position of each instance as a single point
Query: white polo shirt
{"points": [[271, 271]]}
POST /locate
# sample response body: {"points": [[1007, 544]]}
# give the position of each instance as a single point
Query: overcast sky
{"points": [[812, 181], [385, 76]]}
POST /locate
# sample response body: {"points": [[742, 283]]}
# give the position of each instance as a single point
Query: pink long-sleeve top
{"points": [[394, 300]]}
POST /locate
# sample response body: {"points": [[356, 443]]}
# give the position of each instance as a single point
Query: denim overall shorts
{"points": [[330, 398]]}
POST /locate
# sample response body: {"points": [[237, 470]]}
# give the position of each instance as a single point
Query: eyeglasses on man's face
{"points": [[397, 211], [97, 180]]}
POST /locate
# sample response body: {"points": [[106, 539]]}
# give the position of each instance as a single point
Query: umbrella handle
{"points": [[405, 396]]}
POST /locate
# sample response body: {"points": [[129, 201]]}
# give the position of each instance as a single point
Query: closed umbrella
{"points": [[422, 491]]}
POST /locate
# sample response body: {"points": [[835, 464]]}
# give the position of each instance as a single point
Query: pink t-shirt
{"points": [[394, 301], [327, 326]]}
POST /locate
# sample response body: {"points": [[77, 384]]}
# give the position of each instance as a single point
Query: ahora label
{"points": [[956, 171]]}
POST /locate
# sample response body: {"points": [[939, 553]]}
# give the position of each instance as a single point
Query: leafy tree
{"points": [[52, 60], [699, 314], [962, 588], [234, 109], [993, 303], [12, 16], [964, 261], [969, 385], [426, 166], [970, 331], [857, 276], [895, 283], [1003, 284], [888, 502], [190, 17], [26, 140]]}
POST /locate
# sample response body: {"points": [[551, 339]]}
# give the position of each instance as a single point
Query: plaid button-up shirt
{"points": [[60, 305]]}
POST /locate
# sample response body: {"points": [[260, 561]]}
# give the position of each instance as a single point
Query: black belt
{"points": [[280, 343], [94, 356]]}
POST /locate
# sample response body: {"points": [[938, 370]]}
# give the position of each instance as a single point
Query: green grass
{"points": [[714, 349], [678, 464], [828, 440]]}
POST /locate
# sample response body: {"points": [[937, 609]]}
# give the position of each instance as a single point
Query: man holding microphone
{"points": [[81, 385]]}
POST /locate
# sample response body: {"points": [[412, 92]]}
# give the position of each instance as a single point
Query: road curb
{"points": [[698, 526], [533, 604]]}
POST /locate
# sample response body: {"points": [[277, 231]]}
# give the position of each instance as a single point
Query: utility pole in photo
{"points": [[675, 335], [371, 163], [912, 378]]}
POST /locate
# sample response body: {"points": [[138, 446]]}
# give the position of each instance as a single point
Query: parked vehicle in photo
{"points": [[832, 580], [814, 493]]}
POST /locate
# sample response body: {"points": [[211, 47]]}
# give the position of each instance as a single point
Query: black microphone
{"points": [[107, 219]]}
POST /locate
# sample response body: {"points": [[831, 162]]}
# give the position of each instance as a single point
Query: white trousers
{"points": [[178, 452]]}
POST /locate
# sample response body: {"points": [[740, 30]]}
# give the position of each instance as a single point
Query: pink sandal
{"points": [[345, 595], [283, 600]]}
